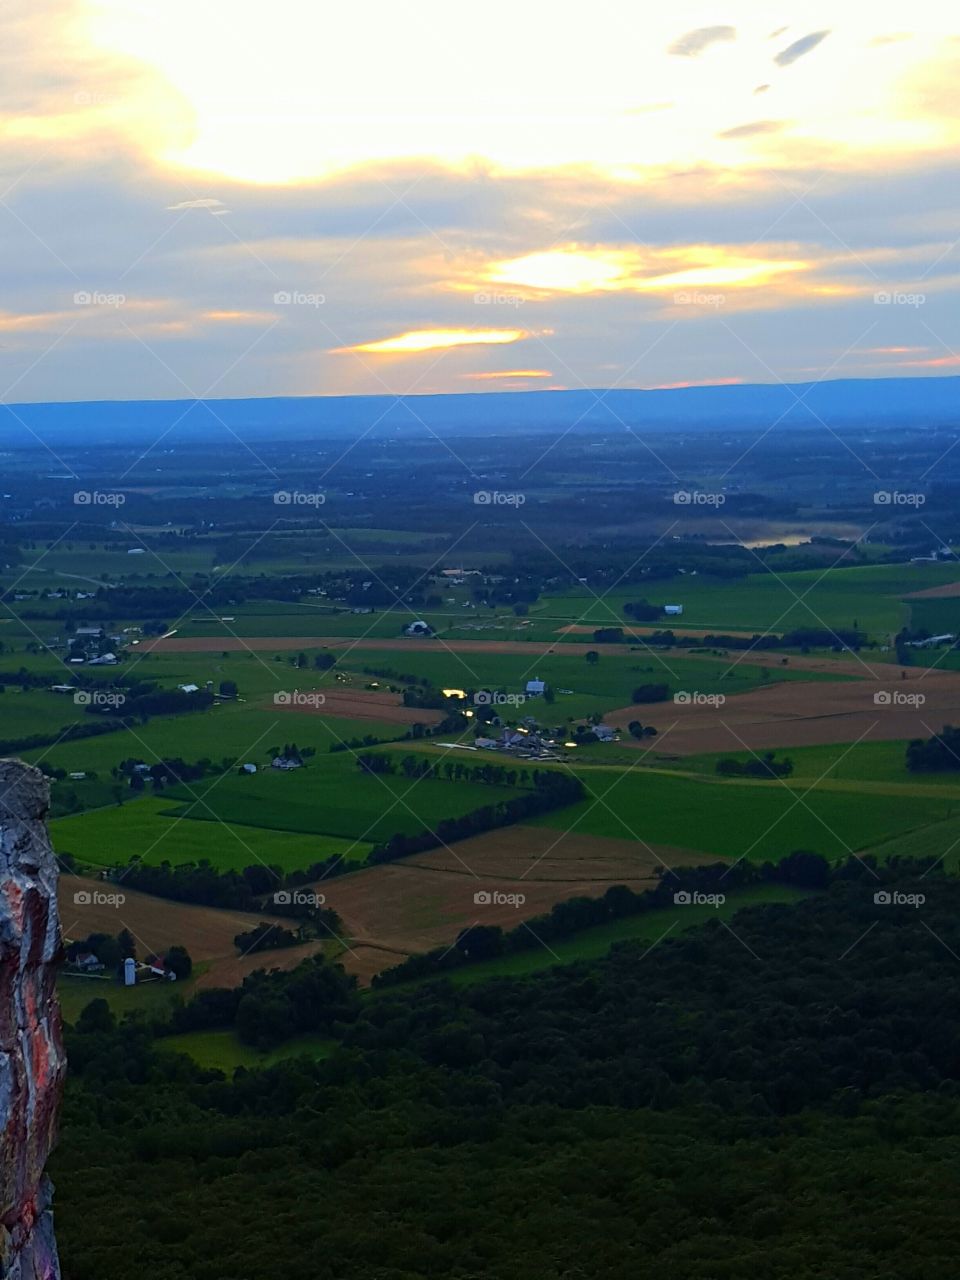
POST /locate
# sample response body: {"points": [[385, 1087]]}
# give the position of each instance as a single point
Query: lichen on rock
{"points": [[32, 1062]]}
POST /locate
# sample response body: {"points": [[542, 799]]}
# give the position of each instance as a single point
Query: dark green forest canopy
{"points": [[777, 1101]]}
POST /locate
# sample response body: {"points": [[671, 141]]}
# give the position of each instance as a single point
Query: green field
{"points": [[596, 688], [332, 797], [651, 926], [224, 1051], [145, 829], [237, 731], [75, 993], [732, 818], [870, 596], [879, 762]]}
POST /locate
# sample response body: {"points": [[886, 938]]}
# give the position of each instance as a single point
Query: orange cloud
{"points": [[507, 373]]}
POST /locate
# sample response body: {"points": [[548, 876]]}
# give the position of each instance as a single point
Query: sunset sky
{"points": [[233, 198]]}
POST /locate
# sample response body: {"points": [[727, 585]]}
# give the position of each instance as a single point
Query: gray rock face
{"points": [[32, 1062]]}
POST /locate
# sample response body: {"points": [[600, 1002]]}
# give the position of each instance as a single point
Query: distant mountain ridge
{"points": [[886, 401]]}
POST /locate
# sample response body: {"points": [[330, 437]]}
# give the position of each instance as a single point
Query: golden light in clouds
{"points": [[567, 270], [418, 340], [576, 270], [298, 91]]}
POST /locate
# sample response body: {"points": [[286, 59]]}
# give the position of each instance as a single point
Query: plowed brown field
{"points": [[156, 923], [802, 715], [425, 901], [364, 704]]}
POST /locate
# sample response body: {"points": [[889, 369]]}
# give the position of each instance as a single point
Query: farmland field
{"points": [[653, 927], [732, 819], [147, 830], [225, 1052], [331, 797], [869, 596]]}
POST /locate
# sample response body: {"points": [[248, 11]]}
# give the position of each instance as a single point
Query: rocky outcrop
{"points": [[32, 1062]]}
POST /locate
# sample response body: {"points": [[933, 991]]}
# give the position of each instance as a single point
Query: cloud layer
{"points": [[187, 207]]}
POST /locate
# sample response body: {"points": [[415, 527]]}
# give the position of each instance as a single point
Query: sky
{"points": [[206, 198]]}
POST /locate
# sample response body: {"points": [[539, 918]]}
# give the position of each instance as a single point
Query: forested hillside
{"points": [[778, 1099]]}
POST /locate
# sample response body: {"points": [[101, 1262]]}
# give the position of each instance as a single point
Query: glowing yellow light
{"points": [[566, 271], [576, 270], [434, 340]]}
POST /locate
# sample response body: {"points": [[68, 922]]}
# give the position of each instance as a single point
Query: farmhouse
{"points": [[673, 610], [536, 688], [105, 660], [189, 688], [604, 733], [286, 762]]}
